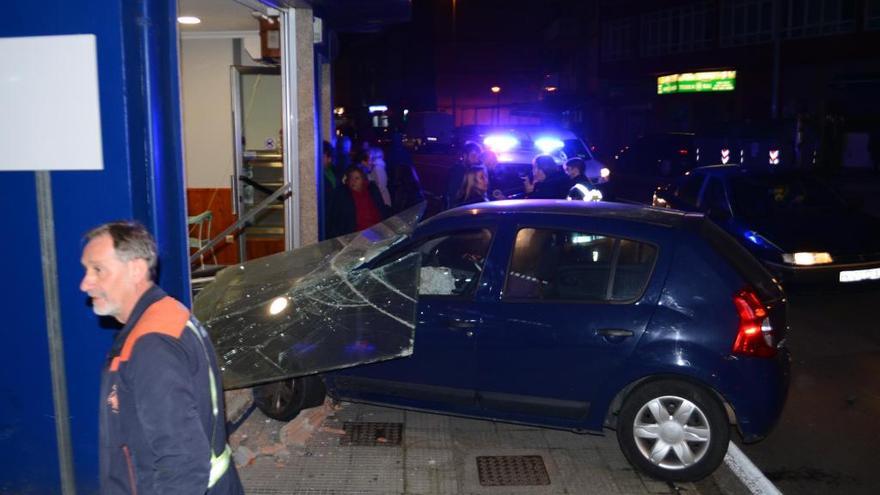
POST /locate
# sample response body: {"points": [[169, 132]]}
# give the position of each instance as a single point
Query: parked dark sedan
{"points": [[800, 228], [583, 316]]}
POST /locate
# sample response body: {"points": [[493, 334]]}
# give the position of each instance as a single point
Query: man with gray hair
{"points": [[162, 420]]}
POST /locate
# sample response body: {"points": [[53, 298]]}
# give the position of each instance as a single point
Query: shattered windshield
{"points": [[314, 309]]}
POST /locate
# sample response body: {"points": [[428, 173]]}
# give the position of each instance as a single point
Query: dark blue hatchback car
{"points": [[585, 316]]}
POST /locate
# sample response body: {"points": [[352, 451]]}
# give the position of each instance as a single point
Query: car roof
{"points": [[738, 170], [593, 209]]}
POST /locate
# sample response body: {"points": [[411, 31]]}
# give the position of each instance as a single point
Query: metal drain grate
{"points": [[512, 470], [364, 434]]}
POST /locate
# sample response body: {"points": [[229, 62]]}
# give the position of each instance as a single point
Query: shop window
{"points": [[809, 18], [618, 40], [679, 29], [872, 15], [746, 22]]}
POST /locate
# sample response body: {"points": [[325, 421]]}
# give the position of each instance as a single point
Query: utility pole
{"points": [[777, 45], [454, 67]]}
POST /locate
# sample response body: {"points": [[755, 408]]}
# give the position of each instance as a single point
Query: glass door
{"points": [[259, 168]]}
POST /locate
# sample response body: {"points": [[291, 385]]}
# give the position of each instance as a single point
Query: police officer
{"points": [[162, 420]]}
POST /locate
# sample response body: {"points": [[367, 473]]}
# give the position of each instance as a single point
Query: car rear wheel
{"points": [[285, 399], [673, 430]]}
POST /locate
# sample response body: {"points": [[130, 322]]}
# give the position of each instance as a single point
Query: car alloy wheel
{"points": [[673, 430]]}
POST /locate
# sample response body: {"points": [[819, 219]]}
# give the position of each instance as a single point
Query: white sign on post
{"points": [[50, 117]]}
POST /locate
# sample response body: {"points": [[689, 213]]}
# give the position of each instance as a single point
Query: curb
{"points": [[749, 474]]}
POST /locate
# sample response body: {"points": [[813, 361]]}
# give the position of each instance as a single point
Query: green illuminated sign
{"points": [[697, 82]]}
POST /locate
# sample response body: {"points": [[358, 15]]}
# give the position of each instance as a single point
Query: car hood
{"points": [[837, 231], [314, 309]]}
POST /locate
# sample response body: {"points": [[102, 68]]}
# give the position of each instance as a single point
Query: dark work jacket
{"points": [[156, 419], [342, 219], [553, 187]]}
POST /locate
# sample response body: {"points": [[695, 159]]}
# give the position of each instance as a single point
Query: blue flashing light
{"points": [[548, 144], [501, 143], [759, 240], [754, 237]]}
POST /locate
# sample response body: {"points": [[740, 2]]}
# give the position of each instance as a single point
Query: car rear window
{"points": [[746, 265]]}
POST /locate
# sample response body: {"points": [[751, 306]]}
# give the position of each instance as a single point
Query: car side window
{"points": [[452, 263], [689, 189], [558, 265], [635, 262]]}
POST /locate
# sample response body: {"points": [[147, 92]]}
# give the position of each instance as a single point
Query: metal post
{"points": [[777, 47], [237, 151], [290, 127], [53, 329], [454, 68]]}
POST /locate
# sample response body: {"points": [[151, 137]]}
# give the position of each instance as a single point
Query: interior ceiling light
{"points": [[188, 19]]}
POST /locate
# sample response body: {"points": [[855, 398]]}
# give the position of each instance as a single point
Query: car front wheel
{"points": [[673, 431], [285, 399]]}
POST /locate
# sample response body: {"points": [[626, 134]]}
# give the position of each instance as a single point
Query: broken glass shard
{"points": [[314, 309]]}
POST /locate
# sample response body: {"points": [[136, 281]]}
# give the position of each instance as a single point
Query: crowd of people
{"points": [[364, 190], [477, 178], [364, 186]]}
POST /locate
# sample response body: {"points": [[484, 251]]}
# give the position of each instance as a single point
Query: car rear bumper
{"points": [[760, 394]]}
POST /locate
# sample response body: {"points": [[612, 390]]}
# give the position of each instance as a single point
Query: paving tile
{"points": [[375, 469], [560, 439], [628, 481], [468, 424], [436, 438], [474, 439], [415, 419], [583, 472], [429, 459], [524, 439], [431, 479]]}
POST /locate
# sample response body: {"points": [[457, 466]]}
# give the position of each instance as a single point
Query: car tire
{"points": [[283, 400], [673, 430]]}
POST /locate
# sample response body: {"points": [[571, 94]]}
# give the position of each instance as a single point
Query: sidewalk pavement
{"points": [[431, 454]]}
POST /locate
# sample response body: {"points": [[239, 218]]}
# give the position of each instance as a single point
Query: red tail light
{"points": [[683, 152], [755, 336]]}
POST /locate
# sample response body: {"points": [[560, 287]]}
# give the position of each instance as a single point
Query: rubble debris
{"points": [[299, 430], [273, 449], [243, 456], [335, 431]]}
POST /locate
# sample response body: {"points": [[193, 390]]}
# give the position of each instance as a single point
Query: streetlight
{"points": [[497, 91]]}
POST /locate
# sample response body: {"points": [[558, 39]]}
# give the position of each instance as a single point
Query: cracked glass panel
{"points": [[314, 309]]}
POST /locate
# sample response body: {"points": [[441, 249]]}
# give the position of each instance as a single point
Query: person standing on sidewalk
{"points": [[162, 420]]}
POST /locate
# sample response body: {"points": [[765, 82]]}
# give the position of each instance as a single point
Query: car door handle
{"points": [[615, 333]]}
